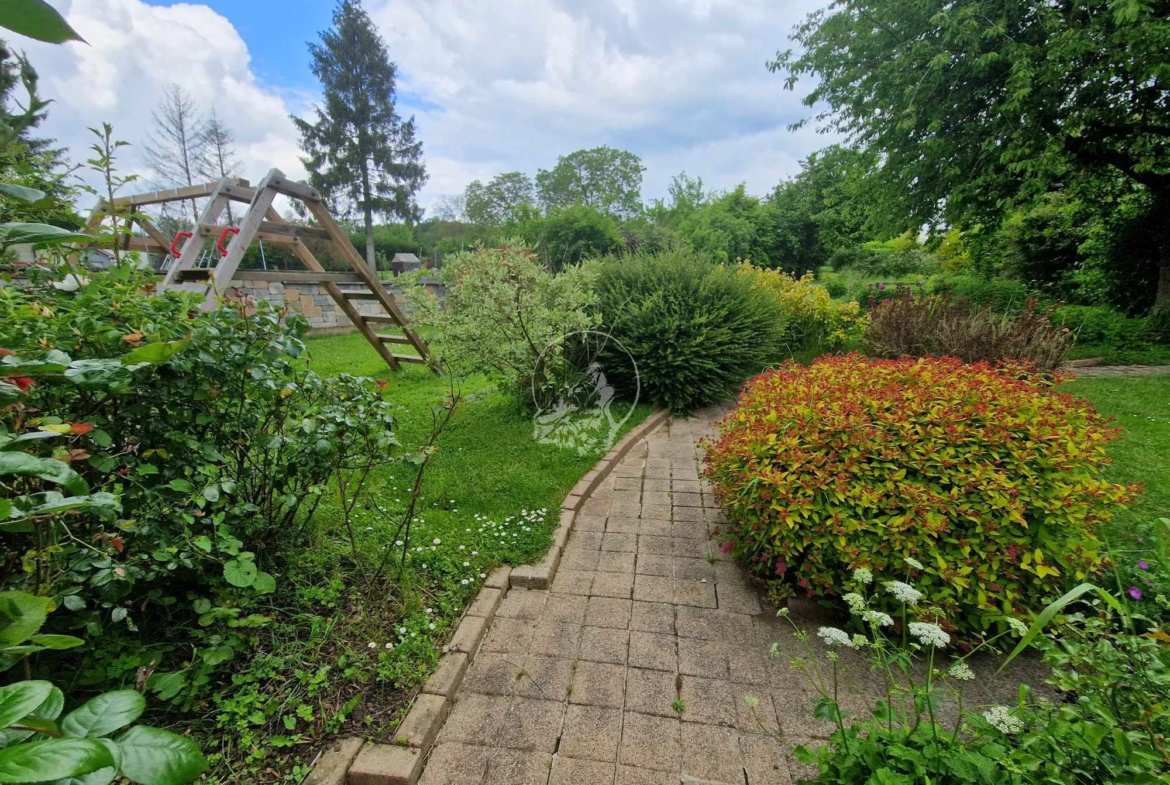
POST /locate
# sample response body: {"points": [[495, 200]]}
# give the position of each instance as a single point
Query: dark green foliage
{"points": [[734, 226], [695, 329], [577, 233], [604, 178], [1040, 243], [359, 149], [1098, 325], [494, 203], [1002, 295]]}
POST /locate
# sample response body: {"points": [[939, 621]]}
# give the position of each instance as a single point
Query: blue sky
{"points": [[494, 85]]}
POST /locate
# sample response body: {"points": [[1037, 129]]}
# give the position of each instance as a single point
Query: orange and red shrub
{"points": [[986, 476]]}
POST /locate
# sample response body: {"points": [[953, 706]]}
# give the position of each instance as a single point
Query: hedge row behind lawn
{"points": [[987, 477]]}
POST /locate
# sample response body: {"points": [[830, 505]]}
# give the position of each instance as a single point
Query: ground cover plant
{"points": [[987, 477]]}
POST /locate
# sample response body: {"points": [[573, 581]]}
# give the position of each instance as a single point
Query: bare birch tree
{"points": [[175, 145]]}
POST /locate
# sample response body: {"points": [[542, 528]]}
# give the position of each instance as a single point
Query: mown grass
{"points": [[1141, 408]]}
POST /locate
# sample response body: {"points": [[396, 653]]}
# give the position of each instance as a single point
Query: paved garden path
{"points": [[1115, 371], [634, 668]]}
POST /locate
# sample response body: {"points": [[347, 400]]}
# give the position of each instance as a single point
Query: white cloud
{"points": [[495, 86], [134, 52]]}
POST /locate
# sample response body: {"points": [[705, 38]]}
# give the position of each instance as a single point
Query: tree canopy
{"points": [[496, 202], [602, 177]]}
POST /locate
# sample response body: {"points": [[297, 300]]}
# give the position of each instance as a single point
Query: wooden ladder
{"points": [[262, 222]]}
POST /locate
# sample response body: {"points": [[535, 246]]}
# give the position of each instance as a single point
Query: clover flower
{"points": [[914, 563], [929, 634], [960, 671], [1000, 717], [855, 602], [835, 637], [903, 592], [863, 576]]}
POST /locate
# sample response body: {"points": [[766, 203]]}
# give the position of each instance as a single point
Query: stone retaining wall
{"points": [[314, 303]]}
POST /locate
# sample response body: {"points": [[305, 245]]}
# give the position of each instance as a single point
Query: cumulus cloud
{"points": [[135, 51], [498, 86]]}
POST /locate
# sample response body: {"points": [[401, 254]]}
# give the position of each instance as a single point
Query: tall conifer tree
{"points": [[360, 150]]}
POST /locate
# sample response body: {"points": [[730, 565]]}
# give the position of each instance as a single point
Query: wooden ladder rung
{"points": [[402, 339], [381, 317], [410, 358], [359, 295], [194, 274]]}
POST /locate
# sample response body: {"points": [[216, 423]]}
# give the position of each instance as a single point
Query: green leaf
{"points": [[153, 353], [57, 642], [99, 777], [54, 759], [37, 19], [211, 493], [1049, 613], [264, 583], [21, 615], [25, 465], [31, 436], [34, 233], [51, 502], [49, 709], [104, 714], [21, 192], [180, 485], [167, 685], [240, 572], [98, 374], [157, 757], [19, 700], [5, 510]]}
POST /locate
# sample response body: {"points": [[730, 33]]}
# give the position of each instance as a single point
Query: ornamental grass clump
{"points": [[987, 479]]}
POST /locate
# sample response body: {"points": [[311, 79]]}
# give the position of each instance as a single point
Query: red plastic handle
{"points": [[223, 236], [175, 251]]}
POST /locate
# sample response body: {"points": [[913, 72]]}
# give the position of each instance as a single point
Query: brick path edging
{"points": [[349, 762]]}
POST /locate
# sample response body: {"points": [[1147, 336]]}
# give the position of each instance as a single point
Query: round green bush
{"points": [[694, 328]]}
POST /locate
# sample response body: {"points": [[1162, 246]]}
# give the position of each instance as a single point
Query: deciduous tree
{"points": [[607, 179], [496, 202], [361, 153], [977, 104]]}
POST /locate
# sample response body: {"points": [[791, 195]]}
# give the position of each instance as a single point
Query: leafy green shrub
{"points": [[504, 310], [814, 321], [1002, 296], [993, 482], [203, 452], [40, 743], [905, 324], [1101, 325], [694, 329], [578, 233]]}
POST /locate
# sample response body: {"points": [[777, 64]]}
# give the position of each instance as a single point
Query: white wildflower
{"points": [[1000, 717], [960, 671], [372, 645], [903, 592], [855, 602], [914, 563], [437, 541], [389, 646], [431, 626], [1018, 627], [398, 544], [863, 576], [878, 619], [464, 582], [929, 634], [834, 637]]}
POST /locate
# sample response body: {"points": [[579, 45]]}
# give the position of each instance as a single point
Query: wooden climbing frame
{"points": [[262, 222]]}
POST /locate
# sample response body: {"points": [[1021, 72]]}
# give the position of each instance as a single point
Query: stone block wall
{"points": [[314, 303]]}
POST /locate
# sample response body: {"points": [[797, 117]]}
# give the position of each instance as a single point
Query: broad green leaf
{"points": [[53, 759], [36, 19], [19, 700], [21, 615], [9, 392], [53, 361], [167, 685], [99, 777], [57, 642], [264, 583], [25, 438], [21, 192], [5, 510], [104, 714], [98, 374], [52, 502], [25, 465], [1049, 613], [33, 233], [50, 709], [240, 572], [157, 757], [153, 353]]}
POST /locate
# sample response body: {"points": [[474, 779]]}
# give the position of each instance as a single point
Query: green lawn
{"points": [[1141, 406]]}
